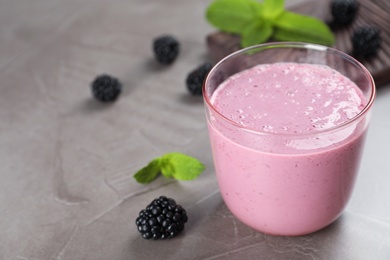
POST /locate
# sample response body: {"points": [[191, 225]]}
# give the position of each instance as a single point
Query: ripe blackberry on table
{"points": [[161, 219], [106, 88], [366, 41], [196, 78], [344, 11], [166, 48]]}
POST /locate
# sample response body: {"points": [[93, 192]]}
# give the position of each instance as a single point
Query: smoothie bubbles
{"points": [[287, 124]]}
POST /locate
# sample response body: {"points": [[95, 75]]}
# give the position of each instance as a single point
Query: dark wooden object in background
{"points": [[371, 12]]}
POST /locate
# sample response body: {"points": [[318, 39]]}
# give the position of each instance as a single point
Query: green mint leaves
{"points": [[170, 165], [258, 22]]}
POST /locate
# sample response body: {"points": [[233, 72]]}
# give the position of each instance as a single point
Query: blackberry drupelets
{"points": [[344, 11], [161, 219], [366, 41], [196, 77], [166, 48], [106, 88]]}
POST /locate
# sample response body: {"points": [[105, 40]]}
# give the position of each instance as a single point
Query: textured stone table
{"points": [[67, 161]]}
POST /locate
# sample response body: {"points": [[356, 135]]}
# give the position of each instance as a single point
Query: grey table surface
{"points": [[67, 162]]}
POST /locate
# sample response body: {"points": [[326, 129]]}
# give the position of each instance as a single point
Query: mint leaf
{"points": [[148, 173], [233, 15], [256, 33], [272, 9], [294, 27], [171, 165], [256, 22], [181, 166]]}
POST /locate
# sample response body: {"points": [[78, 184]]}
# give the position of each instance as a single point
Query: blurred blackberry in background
{"points": [[161, 219], [106, 88], [196, 77], [166, 49], [343, 11], [366, 41]]}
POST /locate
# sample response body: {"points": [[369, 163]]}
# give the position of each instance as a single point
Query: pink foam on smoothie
{"points": [[289, 98]]}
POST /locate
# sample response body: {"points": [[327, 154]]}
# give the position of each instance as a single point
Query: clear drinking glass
{"points": [[285, 183]]}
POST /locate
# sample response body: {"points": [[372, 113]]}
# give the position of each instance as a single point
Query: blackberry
{"points": [[166, 49], [106, 88], [161, 219], [366, 41], [196, 78], [344, 11]]}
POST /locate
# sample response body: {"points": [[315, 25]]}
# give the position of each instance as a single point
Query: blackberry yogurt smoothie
{"points": [[287, 139]]}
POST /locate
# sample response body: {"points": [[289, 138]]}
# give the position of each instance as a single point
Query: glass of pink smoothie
{"points": [[287, 124]]}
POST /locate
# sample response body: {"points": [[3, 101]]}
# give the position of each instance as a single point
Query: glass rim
{"points": [[291, 45]]}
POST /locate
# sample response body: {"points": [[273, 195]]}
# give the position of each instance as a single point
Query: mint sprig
{"points": [[170, 165], [257, 22]]}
